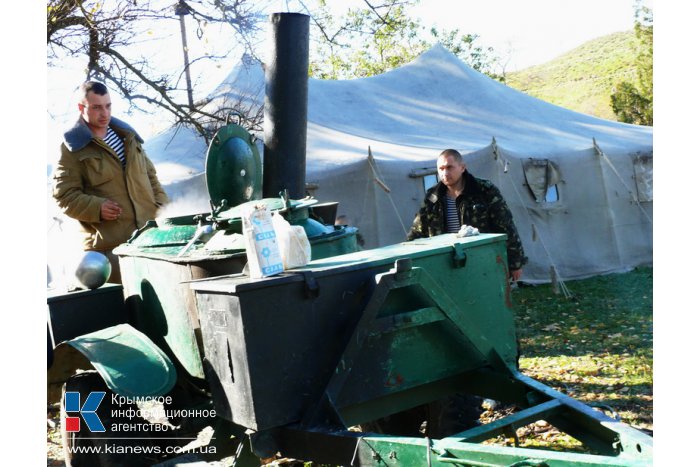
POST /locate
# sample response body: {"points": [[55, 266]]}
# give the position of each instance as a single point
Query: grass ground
{"points": [[595, 346]]}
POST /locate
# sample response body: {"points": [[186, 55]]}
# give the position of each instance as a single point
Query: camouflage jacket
{"points": [[480, 205]]}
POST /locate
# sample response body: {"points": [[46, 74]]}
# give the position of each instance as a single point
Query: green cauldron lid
{"points": [[233, 167]]}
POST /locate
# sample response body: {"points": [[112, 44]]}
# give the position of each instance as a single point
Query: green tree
{"points": [[466, 47], [634, 102], [378, 37]]}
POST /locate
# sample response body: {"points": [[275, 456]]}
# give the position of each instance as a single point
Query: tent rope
{"points": [[504, 163], [366, 196], [378, 180], [617, 174]]}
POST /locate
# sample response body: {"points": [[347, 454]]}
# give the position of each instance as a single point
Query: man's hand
{"points": [[515, 275], [110, 211]]}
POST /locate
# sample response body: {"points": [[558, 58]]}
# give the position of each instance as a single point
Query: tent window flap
{"points": [[542, 177], [428, 174], [643, 176]]}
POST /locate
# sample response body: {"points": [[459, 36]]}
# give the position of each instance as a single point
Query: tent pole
{"points": [[554, 279]]}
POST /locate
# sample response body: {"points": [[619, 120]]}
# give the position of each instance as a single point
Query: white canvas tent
{"points": [[579, 187]]}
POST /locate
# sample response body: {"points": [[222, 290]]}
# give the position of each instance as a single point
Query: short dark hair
{"points": [[92, 86], [452, 152]]}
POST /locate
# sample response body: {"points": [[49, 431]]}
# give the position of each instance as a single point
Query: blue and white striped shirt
{"points": [[115, 142], [453, 224]]}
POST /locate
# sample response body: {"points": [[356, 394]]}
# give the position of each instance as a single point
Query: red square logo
{"points": [[72, 424]]}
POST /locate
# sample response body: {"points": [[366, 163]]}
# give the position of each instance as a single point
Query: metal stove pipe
{"points": [[286, 100]]}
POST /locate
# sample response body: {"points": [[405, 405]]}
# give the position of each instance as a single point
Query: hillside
{"points": [[582, 79]]}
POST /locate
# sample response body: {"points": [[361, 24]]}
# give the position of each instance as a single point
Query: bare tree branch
{"points": [[106, 35]]}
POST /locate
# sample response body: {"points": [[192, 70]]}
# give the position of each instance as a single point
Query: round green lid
{"points": [[233, 167]]}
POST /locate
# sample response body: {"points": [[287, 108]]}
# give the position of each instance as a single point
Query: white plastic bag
{"points": [[261, 244], [293, 243], [467, 231]]}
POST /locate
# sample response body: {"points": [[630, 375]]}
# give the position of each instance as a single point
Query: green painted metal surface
{"points": [[401, 451], [443, 312], [383, 331], [169, 238], [333, 321], [155, 236], [158, 262], [162, 307], [339, 241], [295, 211], [130, 364], [233, 167], [236, 212]]}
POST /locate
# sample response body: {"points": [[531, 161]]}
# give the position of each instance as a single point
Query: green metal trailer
{"points": [[313, 362], [367, 335]]}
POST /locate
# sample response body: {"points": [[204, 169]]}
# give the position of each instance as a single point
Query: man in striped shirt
{"points": [[104, 178], [459, 199]]}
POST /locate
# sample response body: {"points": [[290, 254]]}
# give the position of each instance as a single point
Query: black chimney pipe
{"points": [[286, 100]]}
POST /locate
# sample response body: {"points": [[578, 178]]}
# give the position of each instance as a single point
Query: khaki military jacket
{"points": [[89, 172], [480, 205]]}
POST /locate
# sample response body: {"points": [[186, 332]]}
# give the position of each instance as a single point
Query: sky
{"points": [[530, 32], [523, 33]]}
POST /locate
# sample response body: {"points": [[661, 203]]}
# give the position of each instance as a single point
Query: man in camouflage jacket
{"points": [[479, 204]]}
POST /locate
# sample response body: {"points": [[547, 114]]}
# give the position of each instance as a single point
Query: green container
{"points": [[160, 259], [372, 335]]}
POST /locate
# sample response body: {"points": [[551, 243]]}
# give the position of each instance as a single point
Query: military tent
{"points": [[579, 187]]}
